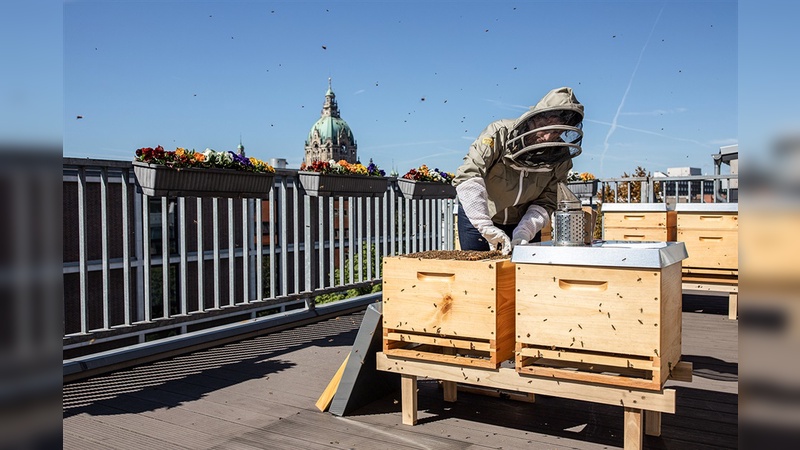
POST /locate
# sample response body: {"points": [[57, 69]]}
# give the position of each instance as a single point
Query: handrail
{"points": [[132, 271]]}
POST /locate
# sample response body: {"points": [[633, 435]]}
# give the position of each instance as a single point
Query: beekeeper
{"points": [[507, 184]]}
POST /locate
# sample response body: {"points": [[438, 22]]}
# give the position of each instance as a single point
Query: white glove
{"points": [[532, 222], [496, 238], [518, 241], [472, 197]]}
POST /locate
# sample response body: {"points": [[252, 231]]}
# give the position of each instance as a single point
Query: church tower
{"points": [[330, 138]]}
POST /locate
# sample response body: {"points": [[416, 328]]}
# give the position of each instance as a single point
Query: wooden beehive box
{"points": [[600, 324], [447, 310], [638, 222], [711, 234]]}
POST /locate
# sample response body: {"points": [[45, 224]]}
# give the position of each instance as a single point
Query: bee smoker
{"points": [[570, 227]]}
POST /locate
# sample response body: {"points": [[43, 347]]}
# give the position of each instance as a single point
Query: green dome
{"points": [[332, 128]]}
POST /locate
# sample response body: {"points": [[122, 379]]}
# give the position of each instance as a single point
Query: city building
{"points": [[330, 137]]}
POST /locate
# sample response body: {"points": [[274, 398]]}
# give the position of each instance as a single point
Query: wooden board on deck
{"points": [[327, 395]]}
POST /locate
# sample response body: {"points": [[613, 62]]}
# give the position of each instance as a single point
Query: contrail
{"points": [[627, 89]]}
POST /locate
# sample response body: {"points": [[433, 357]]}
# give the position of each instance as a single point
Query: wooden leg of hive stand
{"points": [[652, 423], [633, 428], [408, 389], [450, 391], [733, 305]]}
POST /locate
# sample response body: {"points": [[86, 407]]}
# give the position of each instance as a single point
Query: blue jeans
{"points": [[470, 239]]}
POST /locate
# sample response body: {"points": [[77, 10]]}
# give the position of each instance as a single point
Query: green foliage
{"points": [[355, 292], [157, 290]]}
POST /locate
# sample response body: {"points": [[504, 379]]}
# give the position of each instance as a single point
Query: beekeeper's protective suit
{"points": [[507, 183]]}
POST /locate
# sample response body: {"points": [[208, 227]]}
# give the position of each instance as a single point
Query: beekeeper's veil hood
{"points": [[549, 132]]}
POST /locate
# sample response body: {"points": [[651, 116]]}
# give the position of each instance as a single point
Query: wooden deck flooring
{"points": [[260, 394]]}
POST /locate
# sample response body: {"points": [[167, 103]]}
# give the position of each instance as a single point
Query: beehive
{"points": [[711, 235], [638, 222], [600, 324], [451, 311]]}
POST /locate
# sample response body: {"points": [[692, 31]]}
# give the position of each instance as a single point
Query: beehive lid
{"points": [[707, 207], [637, 207], [649, 255]]}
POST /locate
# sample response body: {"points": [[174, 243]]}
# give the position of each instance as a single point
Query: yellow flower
{"points": [[180, 151]]}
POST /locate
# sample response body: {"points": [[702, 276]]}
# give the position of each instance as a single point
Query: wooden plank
{"points": [[633, 428], [443, 358], [733, 305], [444, 341], [652, 423], [631, 362], [450, 389], [509, 379], [408, 387], [327, 395], [682, 372], [708, 220], [725, 274], [593, 378], [639, 234], [710, 286], [638, 219], [526, 397]]}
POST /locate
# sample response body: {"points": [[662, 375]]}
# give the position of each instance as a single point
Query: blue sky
{"points": [[416, 81]]}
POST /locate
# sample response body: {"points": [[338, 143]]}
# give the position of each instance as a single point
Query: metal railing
{"points": [[139, 268], [670, 190]]}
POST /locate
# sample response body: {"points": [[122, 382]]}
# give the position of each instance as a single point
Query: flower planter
{"points": [[162, 181], [412, 189], [583, 188], [325, 185]]}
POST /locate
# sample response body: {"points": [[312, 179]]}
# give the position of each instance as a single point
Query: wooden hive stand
{"points": [[641, 409]]}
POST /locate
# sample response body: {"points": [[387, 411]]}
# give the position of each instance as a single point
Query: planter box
{"points": [[161, 181], [583, 188], [598, 323], [322, 185], [412, 189], [454, 312]]}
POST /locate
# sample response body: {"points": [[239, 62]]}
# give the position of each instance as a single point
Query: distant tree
{"points": [[635, 188], [349, 293]]}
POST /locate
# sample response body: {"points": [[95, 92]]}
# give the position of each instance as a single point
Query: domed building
{"points": [[331, 137]]}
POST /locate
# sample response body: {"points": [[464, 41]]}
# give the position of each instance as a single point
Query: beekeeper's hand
{"points": [[518, 241], [532, 222], [472, 198], [496, 238]]}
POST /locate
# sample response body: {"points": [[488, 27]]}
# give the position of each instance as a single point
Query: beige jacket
{"points": [[510, 188]]}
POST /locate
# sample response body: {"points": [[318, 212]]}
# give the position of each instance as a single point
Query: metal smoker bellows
{"points": [[569, 226]]}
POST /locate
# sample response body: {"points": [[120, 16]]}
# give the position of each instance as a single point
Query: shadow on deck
{"points": [[260, 393]]}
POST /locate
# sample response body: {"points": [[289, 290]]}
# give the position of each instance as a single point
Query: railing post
{"points": [[126, 254], [307, 246], [201, 305], [165, 257], [104, 243], [183, 257]]}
